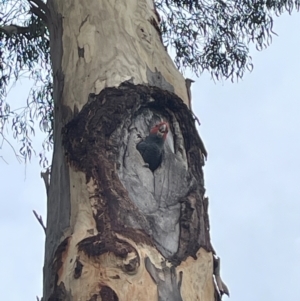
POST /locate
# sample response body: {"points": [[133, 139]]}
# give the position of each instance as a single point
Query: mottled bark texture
{"points": [[166, 205], [131, 206], [115, 230]]}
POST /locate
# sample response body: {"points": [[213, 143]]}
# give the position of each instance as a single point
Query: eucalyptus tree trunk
{"points": [[115, 230]]}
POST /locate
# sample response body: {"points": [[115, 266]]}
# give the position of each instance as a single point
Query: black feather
{"points": [[151, 150]]}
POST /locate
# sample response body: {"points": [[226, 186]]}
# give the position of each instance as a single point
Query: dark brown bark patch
{"points": [[59, 257], [59, 292], [78, 269], [108, 294], [165, 207], [99, 244], [132, 265], [94, 298]]}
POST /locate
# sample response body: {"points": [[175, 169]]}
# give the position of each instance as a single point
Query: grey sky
{"points": [[251, 130]]}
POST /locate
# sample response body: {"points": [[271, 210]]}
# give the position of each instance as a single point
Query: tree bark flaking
{"points": [[107, 294], [168, 286], [59, 292], [100, 244], [92, 142], [107, 212], [168, 210]]}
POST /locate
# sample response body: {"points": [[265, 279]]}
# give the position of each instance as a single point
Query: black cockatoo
{"points": [[152, 147]]}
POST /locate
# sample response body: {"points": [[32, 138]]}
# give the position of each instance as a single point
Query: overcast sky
{"points": [[251, 131]]}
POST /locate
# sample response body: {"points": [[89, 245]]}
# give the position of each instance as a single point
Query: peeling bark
{"points": [[168, 287], [115, 229], [171, 216], [104, 148]]}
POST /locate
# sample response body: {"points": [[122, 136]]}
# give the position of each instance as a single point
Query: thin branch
{"points": [[14, 29], [17, 156], [3, 160], [40, 220], [41, 5], [35, 10], [40, 9], [11, 10]]}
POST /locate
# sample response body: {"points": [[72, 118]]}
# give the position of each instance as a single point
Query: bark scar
{"points": [[168, 288]]}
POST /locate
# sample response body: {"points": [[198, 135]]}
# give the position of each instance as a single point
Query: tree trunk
{"points": [[115, 230]]}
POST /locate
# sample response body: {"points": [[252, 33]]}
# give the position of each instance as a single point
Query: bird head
{"points": [[160, 130]]}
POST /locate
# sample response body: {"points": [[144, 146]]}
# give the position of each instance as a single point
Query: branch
{"points": [[40, 9], [41, 5], [17, 156], [40, 220], [14, 29], [35, 10], [3, 160]]}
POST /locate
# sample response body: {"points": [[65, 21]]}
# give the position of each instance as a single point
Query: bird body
{"points": [[152, 147]]}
